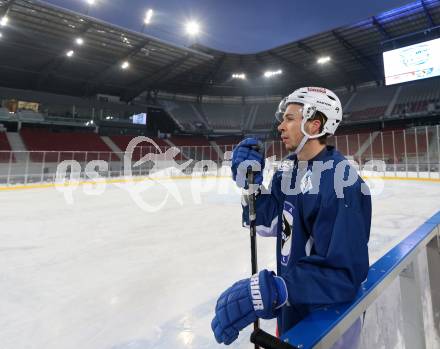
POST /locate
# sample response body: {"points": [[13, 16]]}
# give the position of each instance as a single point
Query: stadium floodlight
{"points": [[240, 76], [270, 74], [4, 21], [125, 65], [148, 16], [1, 35], [79, 41], [192, 28], [70, 53], [90, 3], [323, 60]]}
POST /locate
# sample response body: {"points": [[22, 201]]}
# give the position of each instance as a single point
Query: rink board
{"points": [[323, 327]]}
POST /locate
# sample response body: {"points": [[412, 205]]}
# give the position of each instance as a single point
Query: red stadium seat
{"points": [[195, 147], [5, 148], [122, 142], [54, 147]]}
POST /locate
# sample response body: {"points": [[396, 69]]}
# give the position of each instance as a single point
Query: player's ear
{"points": [[313, 126], [317, 124]]}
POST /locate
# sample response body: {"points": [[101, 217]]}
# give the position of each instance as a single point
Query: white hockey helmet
{"points": [[314, 99]]}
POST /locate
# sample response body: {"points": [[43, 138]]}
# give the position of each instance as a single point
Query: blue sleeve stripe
{"points": [[268, 231]]}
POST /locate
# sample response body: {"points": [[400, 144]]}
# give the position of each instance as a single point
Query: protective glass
{"points": [[281, 110]]}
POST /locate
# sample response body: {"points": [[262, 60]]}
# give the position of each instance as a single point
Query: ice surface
{"points": [[102, 273]]}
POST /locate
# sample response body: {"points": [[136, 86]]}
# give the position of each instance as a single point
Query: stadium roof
{"points": [[37, 37]]}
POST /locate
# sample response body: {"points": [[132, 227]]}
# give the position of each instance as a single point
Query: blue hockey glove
{"points": [[248, 149], [261, 296]]}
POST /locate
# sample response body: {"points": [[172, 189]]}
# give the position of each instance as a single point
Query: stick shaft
{"points": [[253, 232]]}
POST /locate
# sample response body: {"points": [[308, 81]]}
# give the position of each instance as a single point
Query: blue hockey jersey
{"points": [[322, 232]]}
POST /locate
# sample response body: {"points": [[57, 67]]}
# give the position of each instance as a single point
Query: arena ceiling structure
{"points": [[47, 48]]}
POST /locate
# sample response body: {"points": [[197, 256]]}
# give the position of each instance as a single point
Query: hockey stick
{"points": [[253, 233], [267, 341], [259, 337]]}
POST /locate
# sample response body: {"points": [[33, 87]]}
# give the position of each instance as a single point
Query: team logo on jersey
{"points": [[306, 182], [286, 165], [287, 233]]}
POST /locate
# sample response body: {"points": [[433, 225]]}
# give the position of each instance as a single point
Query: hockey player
{"points": [[322, 225]]}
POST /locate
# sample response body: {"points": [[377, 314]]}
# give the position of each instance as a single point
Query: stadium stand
{"points": [[224, 116], [418, 97], [5, 115], [223, 144], [191, 147], [122, 142], [264, 117], [54, 147], [29, 116], [5, 148], [189, 141], [228, 140], [370, 103], [398, 146], [366, 104], [353, 144], [184, 113], [379, 145], [344, 97], [277, 149], [66, 106], [195, 147]]}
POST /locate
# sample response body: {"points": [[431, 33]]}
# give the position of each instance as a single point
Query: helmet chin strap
{"points": [[301, 145], [305, 138]]}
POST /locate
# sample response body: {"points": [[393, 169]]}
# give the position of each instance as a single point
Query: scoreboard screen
{"points": [[140, 119], [410, 63]]}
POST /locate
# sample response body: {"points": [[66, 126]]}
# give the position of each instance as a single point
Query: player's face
{"points": [[290, 127]]}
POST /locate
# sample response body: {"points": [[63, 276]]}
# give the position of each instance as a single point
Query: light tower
{"points": [[147, 19], [192, 29], [90, 3]]}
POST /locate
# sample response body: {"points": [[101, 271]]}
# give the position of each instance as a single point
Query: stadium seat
{"points": [[5, 148], [415, 97], [195, 147], [224, 116], [122, 142], [29, 116], [5, 115], [185, 113], [265, 116], [54, 147]]}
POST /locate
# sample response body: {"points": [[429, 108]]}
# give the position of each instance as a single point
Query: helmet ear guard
{"points": [[309, 136], [309, 111], [331, 125]]}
